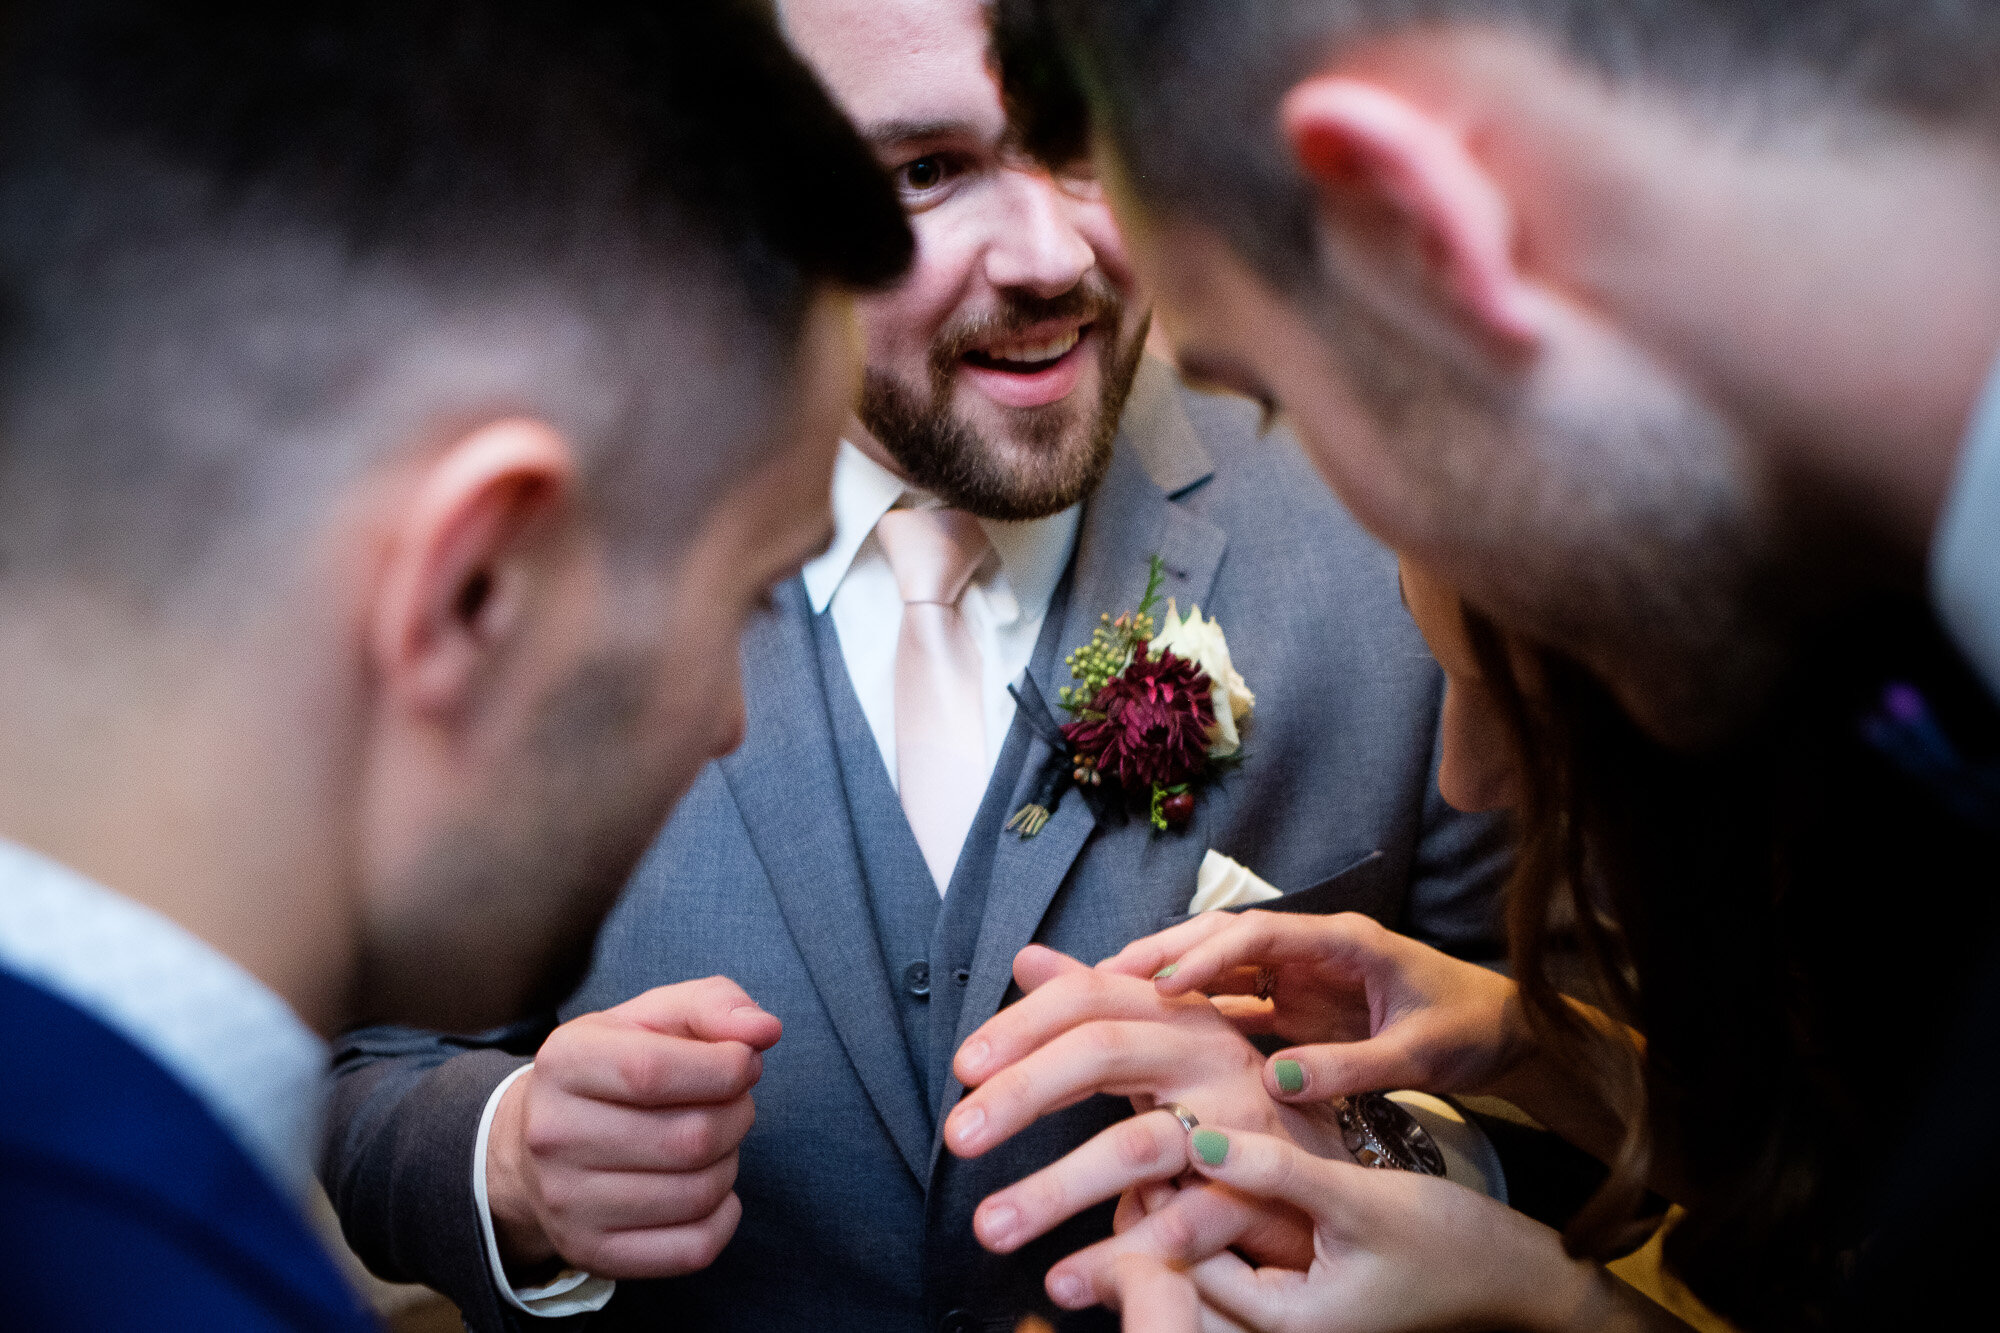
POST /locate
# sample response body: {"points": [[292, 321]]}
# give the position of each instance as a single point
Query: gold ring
{"points": [[1267, 982], [1180, 1113]]}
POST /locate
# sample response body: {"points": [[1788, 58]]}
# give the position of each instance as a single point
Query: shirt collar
{"points": [[1965, 553], [226, 1036], [1032, 553]]}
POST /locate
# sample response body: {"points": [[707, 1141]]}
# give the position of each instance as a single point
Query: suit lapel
{"points": [[787, 784], [1131, 518]]}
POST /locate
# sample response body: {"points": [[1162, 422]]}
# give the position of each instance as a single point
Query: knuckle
{"points": [[560, 1195], [638, 1071], [1047, 1196], [692, 1138], [1109, 1042], [1011, 1087], [1140, 1141], [1175, 1232], [544, 1136]]}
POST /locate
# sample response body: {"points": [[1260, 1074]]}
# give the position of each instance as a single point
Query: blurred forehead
{"points": [[899, 66]]}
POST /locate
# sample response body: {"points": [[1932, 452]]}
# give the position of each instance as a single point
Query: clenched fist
{"points": [[617, 1151]]}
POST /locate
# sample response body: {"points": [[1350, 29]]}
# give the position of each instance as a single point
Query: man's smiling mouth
{"points": [[1027, 357]]}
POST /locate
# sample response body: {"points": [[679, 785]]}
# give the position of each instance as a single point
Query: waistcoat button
{"points": [[917, 978]]}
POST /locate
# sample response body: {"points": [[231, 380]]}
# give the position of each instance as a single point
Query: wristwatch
{"points": [[1382, 1134]]}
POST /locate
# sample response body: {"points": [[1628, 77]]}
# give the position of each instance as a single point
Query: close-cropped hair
{"points": [[245, 248], [1188, 91]]}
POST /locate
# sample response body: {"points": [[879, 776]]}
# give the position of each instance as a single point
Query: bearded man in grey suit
{"points": [[850, 870]]}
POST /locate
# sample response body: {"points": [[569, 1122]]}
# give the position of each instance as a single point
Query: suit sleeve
{"points": [[398, 1158], [1456, 876]]}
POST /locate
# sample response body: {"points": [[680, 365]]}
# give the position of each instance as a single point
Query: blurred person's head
{"points": [[998, 368], [1650, 326], [403, 406]]}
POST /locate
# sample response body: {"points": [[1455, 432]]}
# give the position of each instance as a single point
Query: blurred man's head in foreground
{"points": [[997, 369], [402, 408], [1609, 313]]}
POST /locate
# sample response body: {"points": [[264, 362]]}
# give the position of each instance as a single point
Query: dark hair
{"points": [[234, 239], [1738, 908], [1188, 90]]}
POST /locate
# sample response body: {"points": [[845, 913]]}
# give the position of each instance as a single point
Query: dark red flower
{"points": [[1149, 724]]}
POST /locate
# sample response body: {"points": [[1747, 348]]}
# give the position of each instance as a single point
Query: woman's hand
{"points": [[1391, 1251], [1382, 1011]]}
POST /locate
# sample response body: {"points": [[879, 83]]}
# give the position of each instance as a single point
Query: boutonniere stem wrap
{"points": [[1155, 710]]}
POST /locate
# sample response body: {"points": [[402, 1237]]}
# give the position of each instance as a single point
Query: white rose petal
{"points": [[1201, 642]]}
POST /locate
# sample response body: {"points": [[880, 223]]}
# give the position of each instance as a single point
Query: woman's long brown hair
{"points": [[1729, 907]]}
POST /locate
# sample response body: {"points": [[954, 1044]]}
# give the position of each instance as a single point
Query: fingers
{"points": [[1038, 964], [1257, 1297], [1144, 958], [649, 1252], [598, 1056], [1121, 1058], [1076, 996], [1147, 1147], [586, 1135], [1316, 1073], [1266, 1167], [712, 1009], [1197, 1223], [1153, 1297], [1333, 944], [578, 1201]]}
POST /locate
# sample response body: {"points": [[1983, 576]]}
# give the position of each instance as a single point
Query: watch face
{"points": [[1407, 1144]]}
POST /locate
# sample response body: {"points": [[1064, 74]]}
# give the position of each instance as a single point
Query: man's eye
{"points": [[926, 173]]}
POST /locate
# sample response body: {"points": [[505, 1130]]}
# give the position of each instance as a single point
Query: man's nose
{"points": [[1037, 245]]}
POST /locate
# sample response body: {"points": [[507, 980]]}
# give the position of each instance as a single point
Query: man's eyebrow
{"points": [[888, 133]]}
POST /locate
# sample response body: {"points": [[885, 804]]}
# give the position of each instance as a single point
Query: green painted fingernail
{"points": [[1210, 1145], [1166, 971], [1291, 1076]]}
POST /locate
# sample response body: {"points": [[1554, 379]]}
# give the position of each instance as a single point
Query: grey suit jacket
{"points": [[853, 1217]]}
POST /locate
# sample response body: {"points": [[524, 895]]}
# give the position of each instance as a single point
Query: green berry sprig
{"points": [[1111, 646]]}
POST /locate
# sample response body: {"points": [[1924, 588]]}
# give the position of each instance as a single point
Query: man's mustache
{"points": [[1091, 301]]}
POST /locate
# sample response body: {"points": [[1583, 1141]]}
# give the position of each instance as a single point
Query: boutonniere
{"points": [[1156, 709]]}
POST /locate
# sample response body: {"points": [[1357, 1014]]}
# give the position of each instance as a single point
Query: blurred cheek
{"points": [[1477, 770], [730, 722]]}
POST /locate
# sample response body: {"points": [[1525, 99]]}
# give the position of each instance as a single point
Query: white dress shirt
{"points": [[1965, 553], [1004, 606], [221, 1032]]}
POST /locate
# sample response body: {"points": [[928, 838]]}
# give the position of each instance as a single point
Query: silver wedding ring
{"points": [[1180, 1113]]}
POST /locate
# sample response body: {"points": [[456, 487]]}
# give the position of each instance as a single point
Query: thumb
{"points": [[1266, 1167], [712, 1009], [1336, 1069]]}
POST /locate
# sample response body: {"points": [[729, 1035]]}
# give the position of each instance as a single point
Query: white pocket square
{"points": [[1222, 883]]}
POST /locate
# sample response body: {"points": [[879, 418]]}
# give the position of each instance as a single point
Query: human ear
{"points": [[1360, 142], [451, 591]]}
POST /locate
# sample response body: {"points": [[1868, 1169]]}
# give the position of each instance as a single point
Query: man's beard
{"points": [[941, 451]]}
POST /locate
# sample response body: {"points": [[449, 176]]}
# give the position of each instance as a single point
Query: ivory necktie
{"points": [[940, 716]]}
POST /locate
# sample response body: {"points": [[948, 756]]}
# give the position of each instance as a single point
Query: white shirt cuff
{"points": [[572, 1291], [1470, 1158]]}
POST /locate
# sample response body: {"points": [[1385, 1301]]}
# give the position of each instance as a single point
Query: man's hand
{"points": [[1079, 1032], [617, 1151]]}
